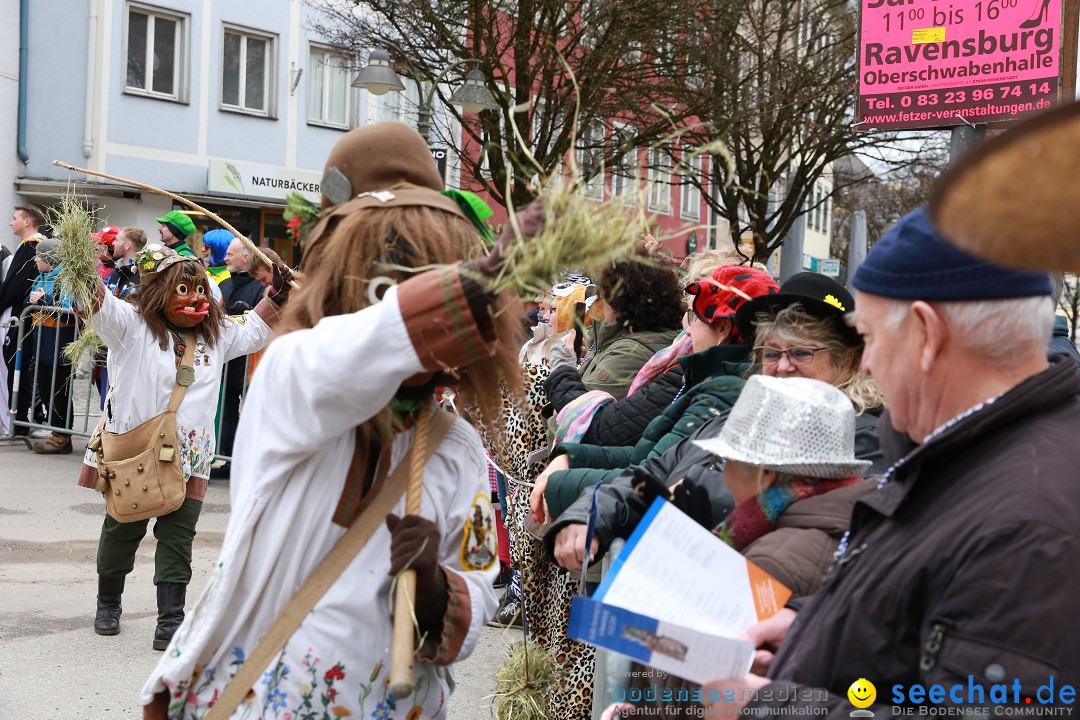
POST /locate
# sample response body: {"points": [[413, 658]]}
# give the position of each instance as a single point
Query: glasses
{"points": [[799, 356]]}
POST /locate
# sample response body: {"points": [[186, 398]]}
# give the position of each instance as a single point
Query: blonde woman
{"points": [[797, 332]]}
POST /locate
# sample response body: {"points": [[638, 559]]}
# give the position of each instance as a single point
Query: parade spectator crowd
{"points": [[899, 453], [28, 277]]}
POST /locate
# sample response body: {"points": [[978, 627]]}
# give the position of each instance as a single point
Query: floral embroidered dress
{"points": [[142, 375], [294, 446]]}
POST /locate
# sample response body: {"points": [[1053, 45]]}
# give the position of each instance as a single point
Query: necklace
{"points": [[179, 345]]}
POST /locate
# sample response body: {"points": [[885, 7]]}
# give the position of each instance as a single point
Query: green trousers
{"points": [[175, 533]]}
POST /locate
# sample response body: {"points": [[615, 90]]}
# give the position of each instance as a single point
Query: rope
{"points": [[194, 206], [417, 460]]}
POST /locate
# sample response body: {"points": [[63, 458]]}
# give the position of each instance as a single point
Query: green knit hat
{"points": [[180, 221]]}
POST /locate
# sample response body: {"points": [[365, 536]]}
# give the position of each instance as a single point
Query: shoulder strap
{"points": [[326, 574], [179, 388]]}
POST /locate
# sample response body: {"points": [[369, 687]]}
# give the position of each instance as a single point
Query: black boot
{"points": [[107, 620], [170, 603]]}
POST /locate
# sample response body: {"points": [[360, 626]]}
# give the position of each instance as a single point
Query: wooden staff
{"points": [[402, 644], [194, 206]]}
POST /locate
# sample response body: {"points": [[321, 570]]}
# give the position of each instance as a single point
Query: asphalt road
{"points": [[52, 665]]}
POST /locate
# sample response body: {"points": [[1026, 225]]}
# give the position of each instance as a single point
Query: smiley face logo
{"points": [[862, 693]]}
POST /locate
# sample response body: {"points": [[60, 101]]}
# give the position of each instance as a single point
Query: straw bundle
{"points": [[578, 233], [523, 684], [72, 224]]}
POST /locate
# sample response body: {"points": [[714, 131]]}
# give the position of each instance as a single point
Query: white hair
{"points": [[1004, 332]]}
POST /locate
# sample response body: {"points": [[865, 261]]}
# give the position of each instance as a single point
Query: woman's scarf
{"points": [[576, 416], [662, 361], [757, 516]]}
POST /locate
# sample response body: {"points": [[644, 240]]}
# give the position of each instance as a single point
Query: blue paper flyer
{"points": [[676, 598]]}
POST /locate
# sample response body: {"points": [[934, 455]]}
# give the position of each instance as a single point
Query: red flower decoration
{"points": [[294, 226], [335, 673]]}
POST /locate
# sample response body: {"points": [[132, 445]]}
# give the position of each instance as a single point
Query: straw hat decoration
{"points": [[1014, 200]]}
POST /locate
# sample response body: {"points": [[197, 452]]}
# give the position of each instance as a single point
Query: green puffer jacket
{"points": [[619, 355], [712, 381]]}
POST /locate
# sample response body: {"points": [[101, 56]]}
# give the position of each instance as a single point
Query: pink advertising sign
{"points": [[936, 63]]}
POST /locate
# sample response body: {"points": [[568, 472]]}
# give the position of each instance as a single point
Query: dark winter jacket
{"points": [[621, 422], [712, 381], [1060, 341], [799, 550], [620, 508], [963, 564], [123, 280], [617, 356], [15, 286], [240, 292]]}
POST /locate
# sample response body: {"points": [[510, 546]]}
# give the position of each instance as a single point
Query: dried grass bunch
{"points": [[73, 224], [522, 685]]}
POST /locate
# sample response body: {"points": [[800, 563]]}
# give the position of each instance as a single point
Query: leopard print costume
{"points": [[547, 588]]}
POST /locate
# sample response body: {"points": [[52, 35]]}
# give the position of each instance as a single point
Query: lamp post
{"points": [[378, 78]]}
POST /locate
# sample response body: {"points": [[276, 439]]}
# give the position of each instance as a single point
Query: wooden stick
{"points": [[194, 206], [402, 647]]}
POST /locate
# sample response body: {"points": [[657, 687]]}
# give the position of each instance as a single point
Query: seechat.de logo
{"points": [[862, 694]]}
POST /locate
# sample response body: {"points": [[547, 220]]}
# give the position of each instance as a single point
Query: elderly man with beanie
{"points": [[330, 415], [958, 574], [175, 228]]}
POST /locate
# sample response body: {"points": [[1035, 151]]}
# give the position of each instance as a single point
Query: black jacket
{"points": [[621, 422], [1061, 343], [241, 292], [620, 508], [15, 287], [963, 563]]}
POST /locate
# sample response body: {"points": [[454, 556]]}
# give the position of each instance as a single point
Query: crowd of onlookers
{"points": [[793, 422], [28, 279], [900, 455], [900, 458]]}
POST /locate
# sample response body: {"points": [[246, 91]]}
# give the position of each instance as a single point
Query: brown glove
{"points": [[414, 541], [280, 285], [158, 709]]}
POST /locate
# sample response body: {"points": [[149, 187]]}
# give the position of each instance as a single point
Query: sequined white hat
{"points": [[794, 425]]}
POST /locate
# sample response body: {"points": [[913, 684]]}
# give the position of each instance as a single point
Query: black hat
{"points": [[819, 295]]}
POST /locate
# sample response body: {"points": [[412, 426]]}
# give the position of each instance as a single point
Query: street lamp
{"points": [[379, 78]]}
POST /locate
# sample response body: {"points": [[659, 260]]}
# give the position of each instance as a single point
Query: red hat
{"points": [[107, 235], [721, 294]]}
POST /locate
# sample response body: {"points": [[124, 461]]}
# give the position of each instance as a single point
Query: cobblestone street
{"points": [[48, 539]]}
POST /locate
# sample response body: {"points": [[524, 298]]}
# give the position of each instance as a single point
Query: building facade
{"points": [[232, 105]]}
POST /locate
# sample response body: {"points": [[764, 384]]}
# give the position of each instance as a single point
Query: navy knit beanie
{"points": [[913, 262]]}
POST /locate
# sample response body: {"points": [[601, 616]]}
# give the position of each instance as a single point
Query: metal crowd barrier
{"points": [[63, 371], [84, 397]]}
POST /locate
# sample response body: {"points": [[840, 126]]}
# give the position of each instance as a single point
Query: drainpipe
{"points": [[91, 77], [24, 39]]}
